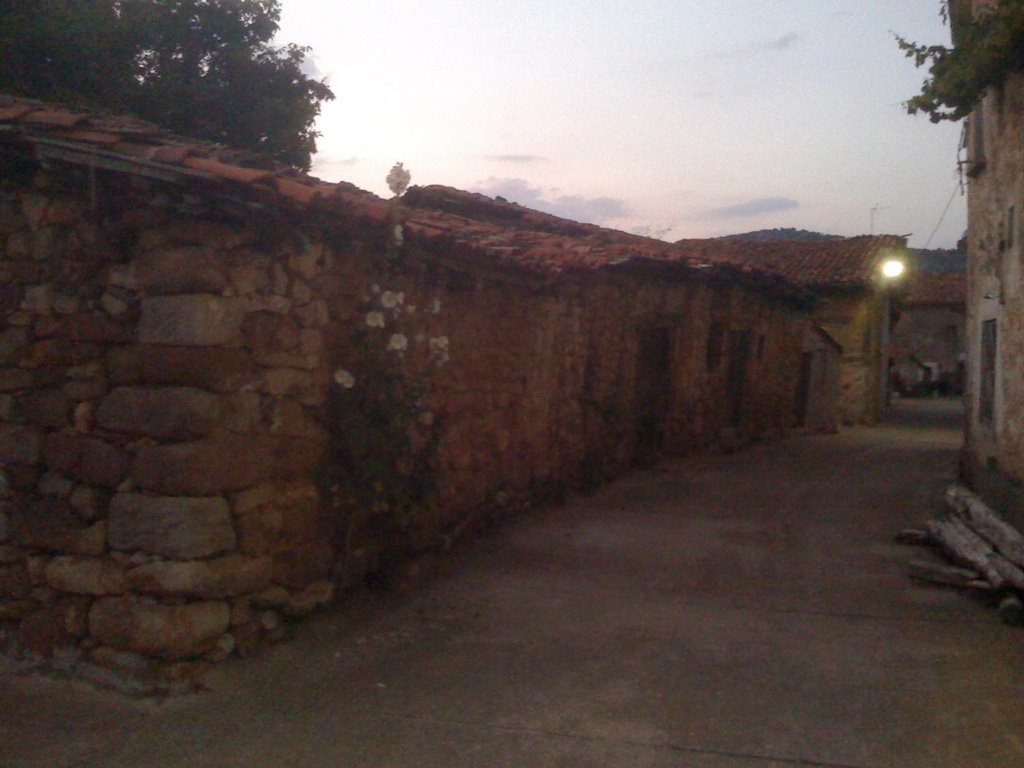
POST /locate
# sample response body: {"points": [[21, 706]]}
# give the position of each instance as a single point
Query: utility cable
{"points": [[943, 216]]}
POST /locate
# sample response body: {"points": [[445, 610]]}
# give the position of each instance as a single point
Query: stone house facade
{"points": [[853, 303], [994, 454], [929, 342], [227, 389]]}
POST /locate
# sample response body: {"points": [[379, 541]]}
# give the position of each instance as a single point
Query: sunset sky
{"points": [[671, 118]]}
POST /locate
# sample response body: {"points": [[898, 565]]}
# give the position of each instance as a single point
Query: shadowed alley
{"points": [[744, 611]]}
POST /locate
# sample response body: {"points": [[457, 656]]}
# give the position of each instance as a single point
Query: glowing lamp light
{"points": [[893, 268]]}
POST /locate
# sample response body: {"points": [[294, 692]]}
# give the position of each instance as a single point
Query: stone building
{"points": [[227, 389], [994, 459], [928, 341], [853, 302]]}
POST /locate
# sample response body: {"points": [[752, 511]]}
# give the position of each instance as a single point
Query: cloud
{"points": [[594, 210], [330, 160], [756, 207], [310, 68], [756, 47], [657, 231], [784, 42], [518, 159]]}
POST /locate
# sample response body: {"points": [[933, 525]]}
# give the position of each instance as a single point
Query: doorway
{"points": [[736, 377], [653, 396]]}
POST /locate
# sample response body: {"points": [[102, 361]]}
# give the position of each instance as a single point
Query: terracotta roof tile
{"points": [[225, 170], [300, 193], [93, 137], [13, 114], [59, 118], [500, 232], [845, 263], [172, 154]]}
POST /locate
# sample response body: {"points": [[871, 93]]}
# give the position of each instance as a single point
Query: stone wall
{"points": [[172, 374], [995, 447], [855, 320]]}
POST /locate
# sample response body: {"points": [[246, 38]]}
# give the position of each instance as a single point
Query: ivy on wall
{"points": [[987, 48]]}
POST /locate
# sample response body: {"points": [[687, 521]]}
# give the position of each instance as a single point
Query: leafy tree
{"points": [[987, 48], [203, 68]]}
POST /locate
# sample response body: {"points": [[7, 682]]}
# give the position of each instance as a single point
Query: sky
{"points": [[667, 118]]}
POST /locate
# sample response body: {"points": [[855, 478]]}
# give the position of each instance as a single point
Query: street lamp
{"points": [[893, 268]]}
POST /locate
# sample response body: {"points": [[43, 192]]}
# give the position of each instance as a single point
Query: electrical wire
{"points": [[943, 216]]}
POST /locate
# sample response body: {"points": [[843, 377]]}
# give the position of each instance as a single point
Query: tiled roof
{"points": [[933, 288], [850, 262], [488, 230], [129, 145]]}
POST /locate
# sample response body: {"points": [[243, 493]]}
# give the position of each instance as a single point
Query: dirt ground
{"points": [[742, 611]]}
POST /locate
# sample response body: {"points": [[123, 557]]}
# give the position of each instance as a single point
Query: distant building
{"points": [[928, 340], [853, 302]]}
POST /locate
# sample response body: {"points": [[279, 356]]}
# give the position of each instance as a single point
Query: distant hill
{"points": [[930, 260], [775, 235], [940, 259]]}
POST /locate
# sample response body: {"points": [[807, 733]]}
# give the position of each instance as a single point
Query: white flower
{"points": [[391, 299], [438, 345], [344, 378], [398, 342], [375, 288], [410, 308], [375, 319], [435, 306], [398, 179], [397, 234]]}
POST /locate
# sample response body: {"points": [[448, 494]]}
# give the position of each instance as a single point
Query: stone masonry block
{"points": [[49, 523], [170, 413], [219, 370], [181, 270], [18, 445], [219, 577], [192, 320], [85, 576], [178, 527], [224, 463], [205, 467], [86, 459], [165, 631]]}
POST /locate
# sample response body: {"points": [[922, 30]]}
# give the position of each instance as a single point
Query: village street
{"points": [[744, 611]]}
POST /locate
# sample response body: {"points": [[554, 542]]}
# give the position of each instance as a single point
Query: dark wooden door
{"points": [[803, 389], [736, 377], [653, 390]]}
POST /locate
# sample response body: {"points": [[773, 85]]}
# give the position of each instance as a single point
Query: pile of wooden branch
{"points": [[986, 552]]}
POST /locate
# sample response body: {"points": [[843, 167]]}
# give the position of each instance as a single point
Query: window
{"points": [[987, 374]]}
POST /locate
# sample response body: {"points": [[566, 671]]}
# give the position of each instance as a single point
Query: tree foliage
{"points": [[204, 68], [987, 48]]}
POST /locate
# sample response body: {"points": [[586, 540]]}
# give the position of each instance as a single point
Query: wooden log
{"points": [[987, 523], [913, 537], [964, 546], [1011, 611], [947, 575], [1010, 573]]}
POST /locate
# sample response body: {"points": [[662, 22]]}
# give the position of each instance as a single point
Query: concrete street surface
{"points": [[737, 611]]}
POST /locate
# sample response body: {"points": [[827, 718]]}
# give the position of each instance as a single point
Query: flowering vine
{"points": [[385, 443]]}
